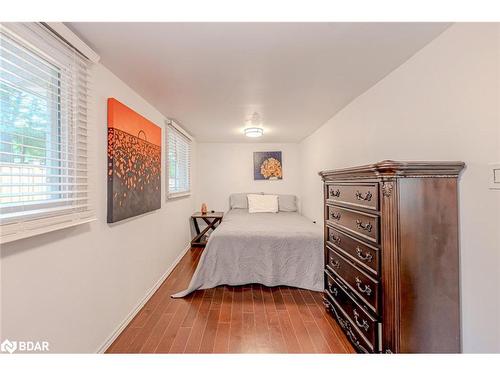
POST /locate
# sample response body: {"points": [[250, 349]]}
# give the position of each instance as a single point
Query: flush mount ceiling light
{"points": [[254, 130]]}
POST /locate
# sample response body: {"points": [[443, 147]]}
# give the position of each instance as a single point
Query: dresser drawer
{"points": [[359, 223], [360, 283], [359, 195], [346, 324], [367, 256], [365, 324]]}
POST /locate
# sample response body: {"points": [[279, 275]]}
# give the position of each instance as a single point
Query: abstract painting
{"points": [[134, 163], [267, 165]]}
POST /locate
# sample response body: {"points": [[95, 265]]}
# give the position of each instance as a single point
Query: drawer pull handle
{"points": [[365, 289], [336, 239], [327, 304], [333, 290], [335, 264], [360, 325], [366, 197], [335, 193], [366, 258], [335, 215], [368, 226]]}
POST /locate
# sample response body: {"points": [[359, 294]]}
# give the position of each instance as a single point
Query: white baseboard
{"points": [[141, 303]]}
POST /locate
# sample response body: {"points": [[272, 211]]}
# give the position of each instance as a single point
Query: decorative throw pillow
{"points": [[287, 203], [262, 203], [239, 200]]}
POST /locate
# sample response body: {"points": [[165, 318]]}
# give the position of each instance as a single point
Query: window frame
{"points": [[170, 124], [65, 207]]}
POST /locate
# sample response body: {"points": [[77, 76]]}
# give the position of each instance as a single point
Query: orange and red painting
{"points": [[134, 163]]}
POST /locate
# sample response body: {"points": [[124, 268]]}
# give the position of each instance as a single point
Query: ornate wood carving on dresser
{"points": [[392, 255]]}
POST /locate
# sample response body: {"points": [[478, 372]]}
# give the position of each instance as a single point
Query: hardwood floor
{"points": [[247, 319]]}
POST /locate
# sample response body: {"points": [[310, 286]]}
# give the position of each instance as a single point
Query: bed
{"points": [[271, 249]]}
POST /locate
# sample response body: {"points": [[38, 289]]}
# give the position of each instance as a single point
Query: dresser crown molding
{"points": [[391, 168]]}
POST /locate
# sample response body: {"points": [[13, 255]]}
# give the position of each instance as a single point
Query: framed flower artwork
{"points": [[267, 165]]}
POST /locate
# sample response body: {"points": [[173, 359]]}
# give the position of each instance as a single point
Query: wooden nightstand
{"points": [[212, 219]]}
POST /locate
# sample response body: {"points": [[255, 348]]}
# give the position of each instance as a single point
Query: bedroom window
{"points": [[43, 133], [178, 162]]}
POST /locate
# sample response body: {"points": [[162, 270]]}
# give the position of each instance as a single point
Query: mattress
{"points": [[271, 249]]}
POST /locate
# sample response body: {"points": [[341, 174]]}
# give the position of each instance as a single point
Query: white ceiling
{"points": [[213, 76]]}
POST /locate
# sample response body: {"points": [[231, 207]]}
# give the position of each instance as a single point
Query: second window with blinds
{"points": [[178, 162]]}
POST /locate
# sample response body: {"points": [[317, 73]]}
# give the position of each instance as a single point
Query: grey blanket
{"points": [[271, 249]]}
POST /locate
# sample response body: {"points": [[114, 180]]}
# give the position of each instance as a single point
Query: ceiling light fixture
{"points": [[254, 132]]}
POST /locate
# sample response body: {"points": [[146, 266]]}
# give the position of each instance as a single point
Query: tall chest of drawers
{"points": [[392, 255]]}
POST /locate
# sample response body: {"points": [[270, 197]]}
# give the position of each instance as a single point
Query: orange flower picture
{"points": [[267, 165]]}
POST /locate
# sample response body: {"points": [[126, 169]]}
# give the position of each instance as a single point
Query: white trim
{"points": [[73, 40], [179, 195], [18, 231], [107, 343]]}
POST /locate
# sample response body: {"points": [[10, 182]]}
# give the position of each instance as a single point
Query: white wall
{"points": [[442, 104], [73, 287], [225, 168]]}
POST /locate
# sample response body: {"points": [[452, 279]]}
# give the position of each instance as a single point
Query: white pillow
{"points": [[262, 203]]}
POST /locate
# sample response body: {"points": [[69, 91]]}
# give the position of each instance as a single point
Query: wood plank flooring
{"points": [[247, 319]]}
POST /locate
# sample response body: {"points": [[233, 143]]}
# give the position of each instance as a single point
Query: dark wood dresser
{"points": [[392, 255]]}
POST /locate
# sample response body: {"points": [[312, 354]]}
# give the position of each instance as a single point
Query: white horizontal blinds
{"points": [[43, 132], [179, 162]]}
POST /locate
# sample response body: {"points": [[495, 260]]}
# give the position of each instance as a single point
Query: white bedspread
{"points": [[271, 249]]}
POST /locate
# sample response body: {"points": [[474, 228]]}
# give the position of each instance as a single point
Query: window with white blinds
{"points": [[43, 133], [178, 163]]}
